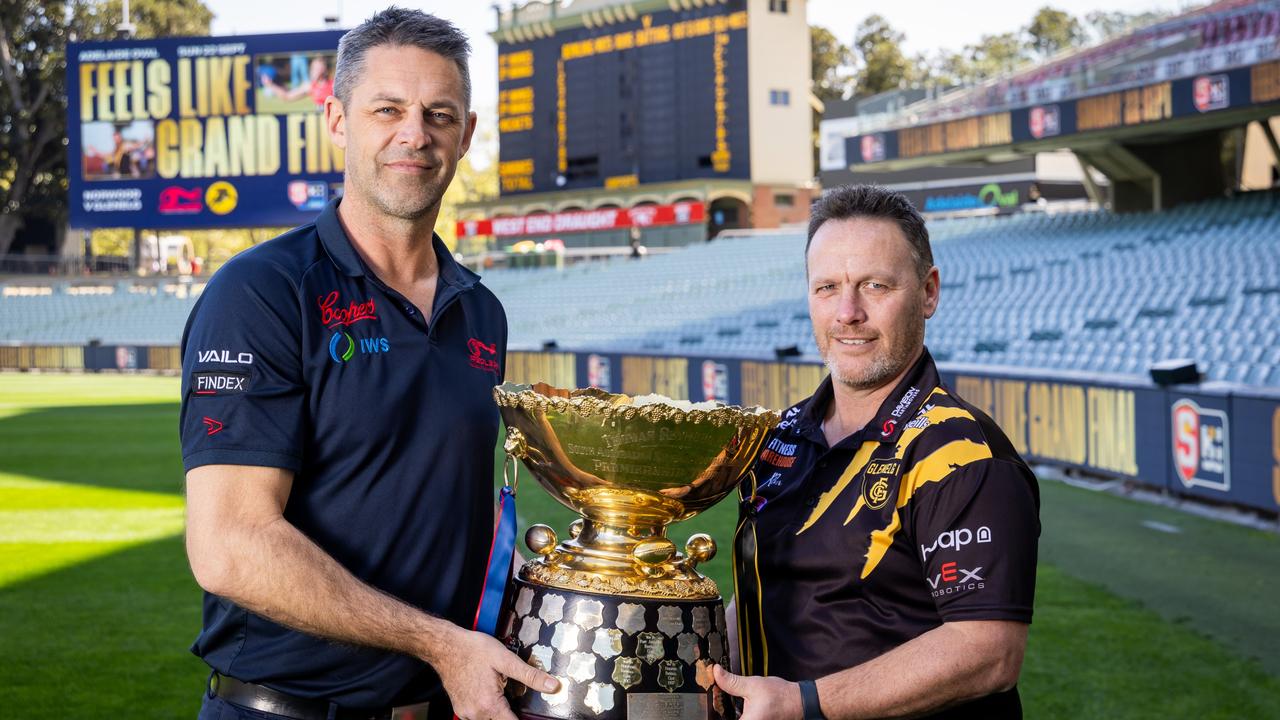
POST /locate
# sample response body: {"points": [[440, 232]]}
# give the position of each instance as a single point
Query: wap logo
{"points": [[342, 347], [1200, 450]]}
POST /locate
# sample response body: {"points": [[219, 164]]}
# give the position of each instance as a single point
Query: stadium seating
{"points": [[1089, 291], [124, 313]]}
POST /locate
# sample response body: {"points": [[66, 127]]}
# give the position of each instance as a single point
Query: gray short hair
{"points": [[873, 201], [399, 26]]}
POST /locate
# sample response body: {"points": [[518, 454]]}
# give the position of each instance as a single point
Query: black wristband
{"points": [[809, 701]]}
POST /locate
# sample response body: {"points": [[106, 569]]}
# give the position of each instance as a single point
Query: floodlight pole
{"points": [[125, 31]]}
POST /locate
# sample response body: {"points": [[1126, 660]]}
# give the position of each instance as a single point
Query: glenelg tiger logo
{"points": [[875, 491]]}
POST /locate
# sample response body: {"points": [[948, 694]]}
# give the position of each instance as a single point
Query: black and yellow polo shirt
{"points": [[926, 515]]}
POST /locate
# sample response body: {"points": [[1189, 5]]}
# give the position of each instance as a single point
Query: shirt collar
{"points": [[894, 413], [344, 255]]}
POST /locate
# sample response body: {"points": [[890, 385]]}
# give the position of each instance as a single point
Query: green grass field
{"points": [[97, 606]]}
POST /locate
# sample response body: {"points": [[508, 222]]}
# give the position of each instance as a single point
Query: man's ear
{"points": [[335, 120], [468, 133], [932, 290]]}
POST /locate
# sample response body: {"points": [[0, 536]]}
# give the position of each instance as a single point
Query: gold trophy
{"points": [[616, 611]]}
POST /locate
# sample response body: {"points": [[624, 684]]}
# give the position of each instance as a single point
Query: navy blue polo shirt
{"points": [[297, 357]]}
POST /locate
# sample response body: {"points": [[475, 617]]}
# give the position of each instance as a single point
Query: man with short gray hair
{"points": [[338, 425]]}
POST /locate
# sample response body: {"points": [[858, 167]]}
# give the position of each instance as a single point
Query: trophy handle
{"points": [[516, 448]]}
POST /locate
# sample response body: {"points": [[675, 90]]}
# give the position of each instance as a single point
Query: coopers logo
{"points": [[333, 313], [1200, 446]]}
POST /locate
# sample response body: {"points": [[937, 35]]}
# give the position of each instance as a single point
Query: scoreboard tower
{"points": [[683, 117]]}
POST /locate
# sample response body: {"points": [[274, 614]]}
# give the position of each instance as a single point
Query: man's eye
{"points": [[443, 117], [876, 286], [385, 110]]}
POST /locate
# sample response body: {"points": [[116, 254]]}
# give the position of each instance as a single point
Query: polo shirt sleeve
{"points": [[977, 537], [243, 395]]}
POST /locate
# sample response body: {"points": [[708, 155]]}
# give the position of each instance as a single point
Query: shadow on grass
{"points": [[105, 638], [132, 447]]}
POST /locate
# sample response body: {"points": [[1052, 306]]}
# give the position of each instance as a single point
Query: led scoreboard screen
{"points": [[654, 98]]}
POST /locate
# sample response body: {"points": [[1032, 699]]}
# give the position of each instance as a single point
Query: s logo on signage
{"points": [[1200, 446]]}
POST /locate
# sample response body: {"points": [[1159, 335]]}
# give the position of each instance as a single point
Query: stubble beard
{"points": [[383, 197], [886, 365]]}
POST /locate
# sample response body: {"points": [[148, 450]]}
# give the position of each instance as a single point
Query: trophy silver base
{"points": [[617, 657]]}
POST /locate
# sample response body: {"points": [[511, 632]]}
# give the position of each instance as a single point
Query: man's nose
{"points": [[851, 310], [412, 131]]}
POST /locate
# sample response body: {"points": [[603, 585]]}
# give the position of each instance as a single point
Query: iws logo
{"points": [[1200, 449], [342, 347], [482, 355]]}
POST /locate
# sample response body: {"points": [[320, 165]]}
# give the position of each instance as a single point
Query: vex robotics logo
{"points": [[342, 347], [1200, 446]]}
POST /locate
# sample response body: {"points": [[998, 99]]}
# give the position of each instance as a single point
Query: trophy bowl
{"points": [[615, 610]]}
